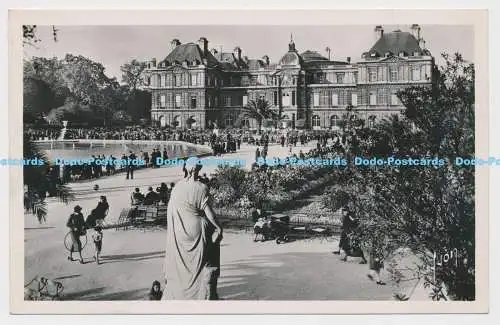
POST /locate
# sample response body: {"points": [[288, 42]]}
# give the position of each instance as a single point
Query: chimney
{"points": [[203, 44], [153, 62], [266, 59], [379, 32], [237, 53], [174, 43], [421, 43], [348, 59], [416, 31]]}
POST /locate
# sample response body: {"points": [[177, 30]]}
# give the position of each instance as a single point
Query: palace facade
{"points": [[194, 87]]}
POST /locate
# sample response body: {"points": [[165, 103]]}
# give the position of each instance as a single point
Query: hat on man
{"points": [[78, 208]]}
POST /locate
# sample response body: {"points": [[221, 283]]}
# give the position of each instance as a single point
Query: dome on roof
{"points": [[312, 56], [290, 58]]}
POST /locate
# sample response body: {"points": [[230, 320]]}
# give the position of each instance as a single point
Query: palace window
{"points": [[373, 98], [163, 101], [335, 100], [334, 121], [382, 96], [316, 99], [178, 101], [262, 79], [394, 99], [293, 98], [415, 71], [393, 74], [245, 100], [355, 77], [316, 121], [330, 77], [286, 99], [423, 73], [372, 74], [324, 98], [245, 123], [194, 80], [354, 100], [178, 80], [162, 81], [193, 101], [229, 120], [275, 98], [371, 121], [227, 101], [340, 77]]}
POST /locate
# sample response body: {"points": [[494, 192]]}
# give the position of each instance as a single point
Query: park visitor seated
{"points": [[151, 197], [137, 197]]}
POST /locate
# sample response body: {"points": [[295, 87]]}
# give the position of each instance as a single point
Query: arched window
{"points": [[316, 121], [334, 121], [245, 123], [177, 122], [371, 121]]}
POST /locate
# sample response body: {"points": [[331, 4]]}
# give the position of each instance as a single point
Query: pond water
{"points": [[83, 150]]}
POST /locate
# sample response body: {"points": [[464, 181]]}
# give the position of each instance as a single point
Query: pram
{"points": [[280, 227]]}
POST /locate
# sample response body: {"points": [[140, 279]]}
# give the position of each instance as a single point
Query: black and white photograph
{"points": [[240, 162]]}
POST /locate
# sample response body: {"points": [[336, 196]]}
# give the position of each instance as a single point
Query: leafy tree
{"points": [[35, 179], [427, 209], [132, 74], [259, 110]]}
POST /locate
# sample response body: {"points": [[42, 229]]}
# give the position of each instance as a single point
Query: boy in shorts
{"points": [[97, 238]]}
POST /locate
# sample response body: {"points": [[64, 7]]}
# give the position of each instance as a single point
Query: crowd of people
{"points": [[137, 133], [37, 134]]}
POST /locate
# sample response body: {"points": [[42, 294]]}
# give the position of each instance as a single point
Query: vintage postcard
{"points": [[324, 162]]}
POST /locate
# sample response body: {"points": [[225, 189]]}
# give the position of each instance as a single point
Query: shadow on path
{"points": [[137, 294], [68, 277], [298, 276], [80, 295], [132, 257], [37, 228]]}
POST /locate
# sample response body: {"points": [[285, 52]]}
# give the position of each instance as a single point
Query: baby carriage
{"points": [[280, 227]]}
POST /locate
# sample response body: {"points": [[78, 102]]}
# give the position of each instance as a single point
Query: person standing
{"points": [[130, 166], [190, 273], [97, 238], [76, 224], [376, 264]]}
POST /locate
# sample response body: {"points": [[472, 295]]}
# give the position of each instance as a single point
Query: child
{"points": [[97, 237], [155, 293], [376, 264]]}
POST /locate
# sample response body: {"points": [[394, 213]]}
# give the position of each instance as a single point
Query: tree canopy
{"points": [[428, 209]]}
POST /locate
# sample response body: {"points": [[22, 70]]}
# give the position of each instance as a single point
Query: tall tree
{"points": [[428, 209], [35, 178], [132, 74]]}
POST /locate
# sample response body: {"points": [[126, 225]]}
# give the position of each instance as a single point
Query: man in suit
{"points": [[130, 167]]}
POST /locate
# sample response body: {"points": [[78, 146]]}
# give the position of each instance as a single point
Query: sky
{"points": [[113, 46]]}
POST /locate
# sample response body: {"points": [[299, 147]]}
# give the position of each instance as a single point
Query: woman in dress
{"points": [[76, 224], [192, 234]]}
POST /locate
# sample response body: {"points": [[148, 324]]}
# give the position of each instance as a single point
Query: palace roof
{"points": [[395, 43]]}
